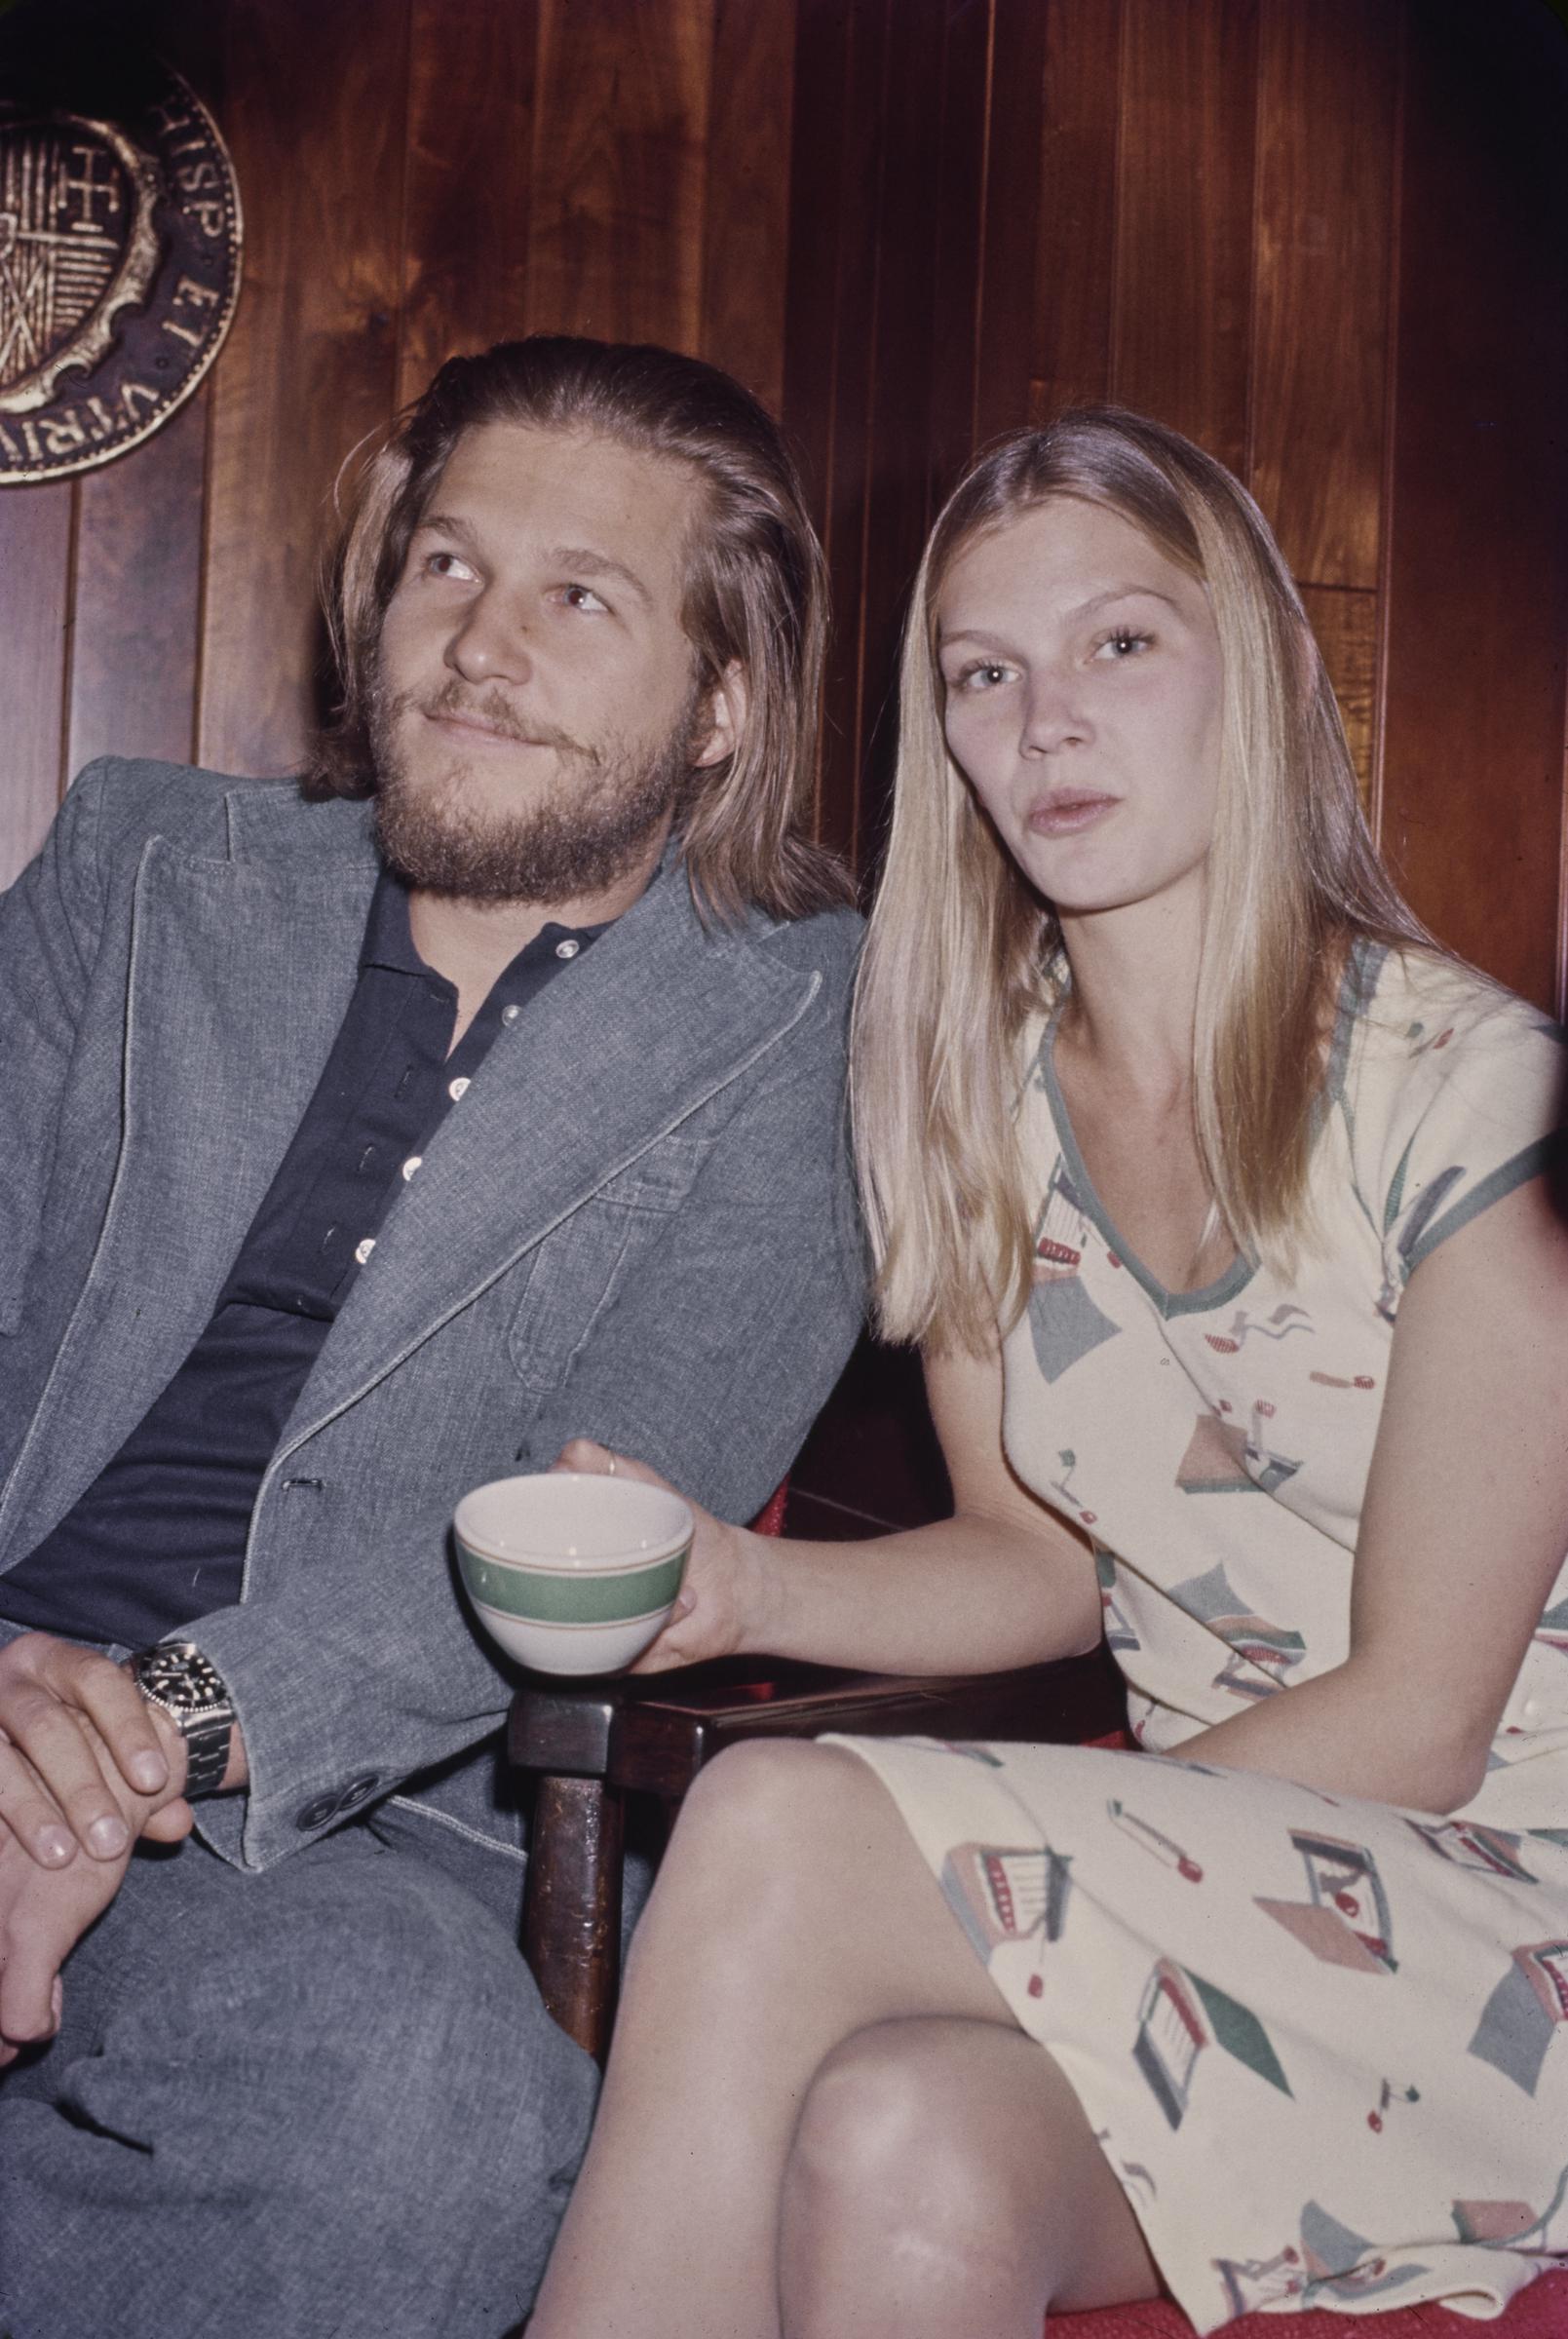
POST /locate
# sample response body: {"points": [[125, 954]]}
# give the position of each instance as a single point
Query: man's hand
{"points": [[85, 1761], [723, 1600], [42, 1918]]}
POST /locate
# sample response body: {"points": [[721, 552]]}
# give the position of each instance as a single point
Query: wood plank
{"points": [[620, 127], [957, 170], [833, 255], [315, 116], [1184, 211], [1075, 250], [35, 567], [899, 443], [471, 121], [137, 592], [1477, 570], [1327, 73], [1007, 335], [746, 243], [1345, 623]]}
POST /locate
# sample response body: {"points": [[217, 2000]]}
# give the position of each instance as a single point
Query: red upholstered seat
{"points": [[1539, 2313]]}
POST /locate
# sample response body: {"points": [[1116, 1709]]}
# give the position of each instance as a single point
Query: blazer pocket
{"points": [[577, 1268]]}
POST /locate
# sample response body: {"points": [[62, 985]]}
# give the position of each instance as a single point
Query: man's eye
{"points": [[581, 596]]}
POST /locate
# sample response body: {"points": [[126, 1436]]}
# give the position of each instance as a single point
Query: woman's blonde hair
{"points": [[962, 952], [755, 587]]}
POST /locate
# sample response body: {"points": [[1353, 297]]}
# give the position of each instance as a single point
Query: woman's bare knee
{"points": [[878, 2128], [745, 1859], [952, 2156]]}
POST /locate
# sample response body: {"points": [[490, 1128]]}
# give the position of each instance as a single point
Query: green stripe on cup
{"points": [[574, 1598]]}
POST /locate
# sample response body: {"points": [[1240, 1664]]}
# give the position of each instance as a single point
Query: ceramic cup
{"points": [[572, 1573]]}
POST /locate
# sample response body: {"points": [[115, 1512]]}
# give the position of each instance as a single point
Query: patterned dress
{"points": [[1320, 2040]]}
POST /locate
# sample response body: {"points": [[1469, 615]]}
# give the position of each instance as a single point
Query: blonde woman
{"points": [[1220, 1202]]}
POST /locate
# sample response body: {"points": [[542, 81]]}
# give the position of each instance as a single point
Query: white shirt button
{"points": [[567, 949], [456, 1088], [510, 1015], [363, 1250], [410, 1165]]}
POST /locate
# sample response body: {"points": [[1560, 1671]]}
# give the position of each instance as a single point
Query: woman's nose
{"points": [[1053, 716], [488, 645]]}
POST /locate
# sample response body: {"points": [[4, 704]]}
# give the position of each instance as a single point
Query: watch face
{"points": [[180, 1677]]}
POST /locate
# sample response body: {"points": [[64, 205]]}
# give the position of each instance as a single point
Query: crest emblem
{"points": [[120, 242]]}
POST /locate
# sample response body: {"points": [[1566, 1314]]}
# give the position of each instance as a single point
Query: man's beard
{"points": [[592, 830]]}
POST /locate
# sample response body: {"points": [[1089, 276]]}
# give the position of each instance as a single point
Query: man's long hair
{"points": [[962, 955], [755, 587]]}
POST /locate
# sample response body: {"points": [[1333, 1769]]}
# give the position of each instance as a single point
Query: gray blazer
{"points": [[639, 1226]]}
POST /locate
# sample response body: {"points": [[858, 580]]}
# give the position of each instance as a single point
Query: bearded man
{"points": [[366, 1141]]}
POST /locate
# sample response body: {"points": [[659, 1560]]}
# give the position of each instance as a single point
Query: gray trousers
{"points": [[319, 2102]]}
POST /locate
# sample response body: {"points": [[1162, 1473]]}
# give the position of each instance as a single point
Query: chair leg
{"points": [[571, 1918]]}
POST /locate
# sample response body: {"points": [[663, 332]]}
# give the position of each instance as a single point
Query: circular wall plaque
{"points": [[120, 242]]}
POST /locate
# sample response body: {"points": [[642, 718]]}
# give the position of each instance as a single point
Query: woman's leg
{"points": [[944, 2180], [793, 1911]]}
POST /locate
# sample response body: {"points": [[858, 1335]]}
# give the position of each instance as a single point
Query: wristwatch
{"points": [[174, 1675]]}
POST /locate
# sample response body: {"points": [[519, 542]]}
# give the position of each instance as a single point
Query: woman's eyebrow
{"points": [[1121, 593]]}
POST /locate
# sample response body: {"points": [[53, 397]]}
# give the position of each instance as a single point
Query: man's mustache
{"points": [[491, 708]]}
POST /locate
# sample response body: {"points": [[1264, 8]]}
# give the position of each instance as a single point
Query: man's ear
{"points": [[728, 704]]}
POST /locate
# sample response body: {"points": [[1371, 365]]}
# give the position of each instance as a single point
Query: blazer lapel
{"points": [[239, 974], [620, 1048]]}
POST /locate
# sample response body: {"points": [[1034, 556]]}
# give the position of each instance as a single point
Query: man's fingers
{"points": [[29, 1983], [62, 1757], [172, 1825], [120, 1712], [31, 1811]]}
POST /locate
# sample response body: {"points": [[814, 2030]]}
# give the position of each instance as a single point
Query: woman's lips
{"points": [[1068, 810]]}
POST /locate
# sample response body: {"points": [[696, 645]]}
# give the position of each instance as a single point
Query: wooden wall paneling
{"points": [[1327, 73], [471, 124], [1005, 341], [1478, 567], [1344, 621], [620, 123], [35, 598], [899, 446], [1075, 248], [746, 208], [836, 171], [138, 594], [315, 116], [1184, 207], [957, 172]]}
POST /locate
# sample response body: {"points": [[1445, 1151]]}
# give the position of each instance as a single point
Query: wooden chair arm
{"points": [[590, 1743]]}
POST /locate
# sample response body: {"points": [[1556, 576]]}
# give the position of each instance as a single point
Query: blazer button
{"points": [[316, 1814], [359, 1790]]}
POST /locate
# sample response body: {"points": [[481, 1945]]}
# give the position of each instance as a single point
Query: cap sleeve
{"points": [[1460, 1099]]}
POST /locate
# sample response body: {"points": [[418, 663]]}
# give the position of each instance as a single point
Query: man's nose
{"points": [[1053, 716], [490, 645]]}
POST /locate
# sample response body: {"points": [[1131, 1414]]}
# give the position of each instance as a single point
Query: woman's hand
{"points": [[723, 1601]]}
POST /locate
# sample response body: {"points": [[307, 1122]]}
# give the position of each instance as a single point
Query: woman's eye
{"points": [[447, 564], [1123, 643], [581, 596], [983, 674]]}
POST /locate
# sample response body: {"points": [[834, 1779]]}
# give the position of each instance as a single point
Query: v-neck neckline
{"points": [[1363, 966]]}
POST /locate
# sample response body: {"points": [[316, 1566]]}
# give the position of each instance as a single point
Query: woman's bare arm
{"points": [[1464, 1528], [1001, 1582]]}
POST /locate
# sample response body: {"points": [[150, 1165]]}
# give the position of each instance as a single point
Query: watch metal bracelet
{"points": [[176, 1677]]}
